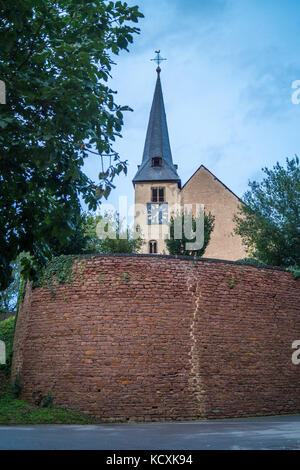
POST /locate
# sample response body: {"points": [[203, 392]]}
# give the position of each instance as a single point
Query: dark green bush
{"points": [[251, 261]]}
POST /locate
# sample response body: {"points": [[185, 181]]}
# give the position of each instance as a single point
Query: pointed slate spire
{"points": [[157, 144], [157, 140]]}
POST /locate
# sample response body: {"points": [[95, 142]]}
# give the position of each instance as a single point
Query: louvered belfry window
{"points": [[161, 194], [156, 161], [157, 194]]}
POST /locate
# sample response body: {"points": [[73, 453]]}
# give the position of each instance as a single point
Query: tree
{"points": [[84, 240], [55, 57], [123, 240], [269, 221], [77, 239], [178, 246], [9, 296]]}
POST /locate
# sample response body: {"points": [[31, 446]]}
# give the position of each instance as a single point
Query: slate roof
{"points": [[157, 144]]}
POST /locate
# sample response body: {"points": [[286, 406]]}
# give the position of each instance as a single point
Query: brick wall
{"points": [[154, 338]]}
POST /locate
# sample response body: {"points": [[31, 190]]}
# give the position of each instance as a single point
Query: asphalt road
{"points": [[280, 432]]}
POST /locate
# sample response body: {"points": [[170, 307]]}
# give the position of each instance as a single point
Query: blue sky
{"points": [[227, 86]]}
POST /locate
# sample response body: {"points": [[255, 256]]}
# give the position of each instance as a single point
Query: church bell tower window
{"points": [[157, 194], [156, 161], [161, 194]]}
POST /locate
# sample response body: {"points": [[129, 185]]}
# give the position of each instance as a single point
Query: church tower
{"points": [[159, 195], [156, 183]]}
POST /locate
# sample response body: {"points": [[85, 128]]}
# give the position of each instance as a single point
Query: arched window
{"points": [[153, 247]]}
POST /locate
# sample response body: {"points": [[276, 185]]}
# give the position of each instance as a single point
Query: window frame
{"points": [[158, 198], [156, 160], [161, 198], [153, 247]]}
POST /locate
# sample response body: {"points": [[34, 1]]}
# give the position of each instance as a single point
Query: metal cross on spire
{"points": [[158, 59]]}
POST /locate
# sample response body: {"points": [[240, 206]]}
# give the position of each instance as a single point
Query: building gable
{"points": [[203, 169], [205, 188]]}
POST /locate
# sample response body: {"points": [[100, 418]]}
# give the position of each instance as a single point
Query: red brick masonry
{"points": [[160, 338]]}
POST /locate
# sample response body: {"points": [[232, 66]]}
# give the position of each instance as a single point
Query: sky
{"points": [[227, 86]]}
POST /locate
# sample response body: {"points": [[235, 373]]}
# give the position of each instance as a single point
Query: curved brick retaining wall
{"points": [[154, 338]]}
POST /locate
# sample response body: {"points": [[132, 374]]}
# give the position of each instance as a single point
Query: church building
{"points": [[159, 193]]}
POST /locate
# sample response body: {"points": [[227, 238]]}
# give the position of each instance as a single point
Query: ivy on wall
{"points": [[58, 271]]}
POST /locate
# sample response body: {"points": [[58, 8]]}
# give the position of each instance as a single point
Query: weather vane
{"points": [[158, 59]]}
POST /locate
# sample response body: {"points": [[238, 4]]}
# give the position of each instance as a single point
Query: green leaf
{"points": [[58, 66]]}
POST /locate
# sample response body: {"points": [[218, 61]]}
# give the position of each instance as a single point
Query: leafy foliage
{"points": [[47, 401], [125, 239], [16, 411], [178, 246], [251, 261], [269, 222], [9, 296], [295, 270], [17, 386], [77, 239], [57, 271], [55, 58], [7, 335]]}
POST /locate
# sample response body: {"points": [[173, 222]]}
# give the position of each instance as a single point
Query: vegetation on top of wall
{"points": [[57, 271], [60, 270], [252, 262], [295, 270]]}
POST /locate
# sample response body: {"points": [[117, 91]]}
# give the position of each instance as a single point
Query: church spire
{"points": [[157, 163]]}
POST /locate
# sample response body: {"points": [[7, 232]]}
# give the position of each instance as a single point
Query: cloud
{"points": [[226, 83]]}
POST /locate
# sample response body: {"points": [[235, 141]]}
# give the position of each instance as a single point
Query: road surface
{"points": [[279, 432]]}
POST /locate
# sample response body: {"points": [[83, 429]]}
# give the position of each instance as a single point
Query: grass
{"points": [[16, 411]]}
